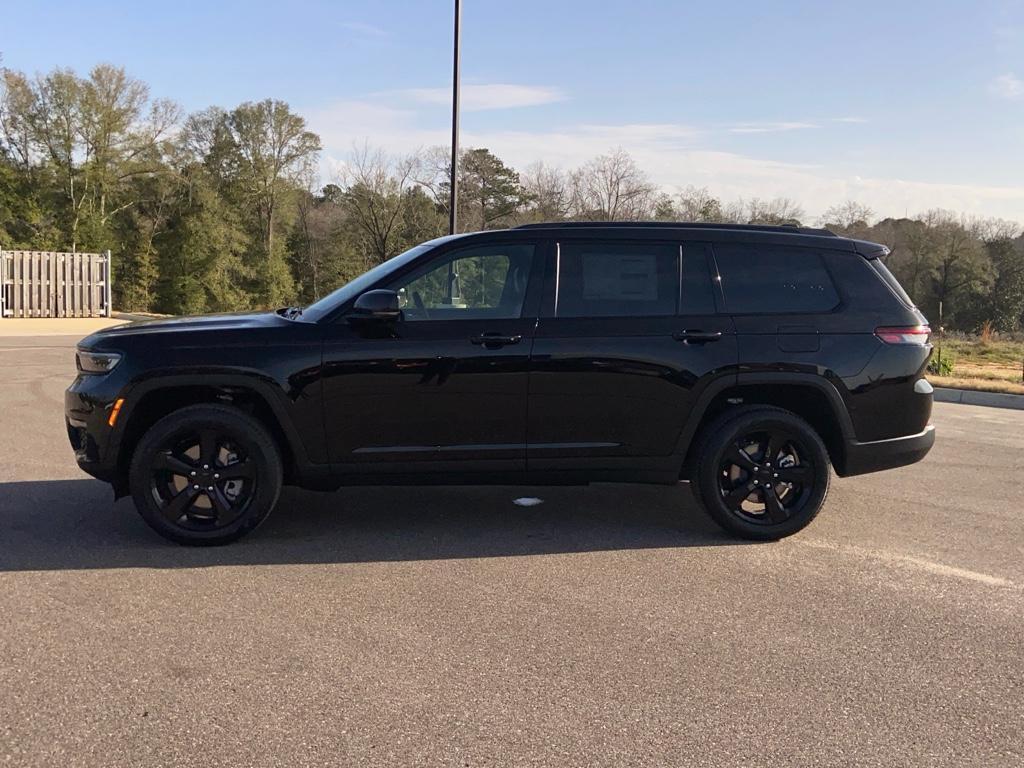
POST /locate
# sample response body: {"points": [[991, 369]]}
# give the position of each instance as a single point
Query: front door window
{"points": [[481, 283]]}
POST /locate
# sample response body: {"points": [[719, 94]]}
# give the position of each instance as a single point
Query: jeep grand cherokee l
{"points": [[746, 359]]}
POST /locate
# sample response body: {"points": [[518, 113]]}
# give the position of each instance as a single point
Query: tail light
{"points": [[910, 334]]}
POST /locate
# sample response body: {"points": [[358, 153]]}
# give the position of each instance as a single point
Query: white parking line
{"points": [[939, 569]]}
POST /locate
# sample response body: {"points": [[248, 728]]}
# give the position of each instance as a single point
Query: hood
{"points": [[229, 321]]}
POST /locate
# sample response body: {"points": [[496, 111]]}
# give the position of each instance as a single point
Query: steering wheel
{"points": [[418, 301]]}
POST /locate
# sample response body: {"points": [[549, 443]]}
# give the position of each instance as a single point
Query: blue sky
{"points": [[904, 105]]}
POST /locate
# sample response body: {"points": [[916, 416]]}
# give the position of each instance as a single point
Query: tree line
{"points": [[222, 209]]}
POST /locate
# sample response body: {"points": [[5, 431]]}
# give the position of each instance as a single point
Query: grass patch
{"points": [[986, 364], [1004, 352], [991, 372], [978, 385]]}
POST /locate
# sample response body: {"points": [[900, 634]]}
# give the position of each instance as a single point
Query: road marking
{"points": [[939, 569]]}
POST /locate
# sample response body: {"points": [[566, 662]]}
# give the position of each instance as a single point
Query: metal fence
{"points": [[48, 284]]}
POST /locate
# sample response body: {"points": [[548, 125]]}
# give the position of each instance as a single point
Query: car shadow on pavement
{"points": [[74, 524]]}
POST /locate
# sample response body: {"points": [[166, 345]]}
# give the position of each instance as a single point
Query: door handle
{"points": [[696, 337], [494, 340]]}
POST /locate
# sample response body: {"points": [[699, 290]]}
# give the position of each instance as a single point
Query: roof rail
{"points": [[782, 228]]}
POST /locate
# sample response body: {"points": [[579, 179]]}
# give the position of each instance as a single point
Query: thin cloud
{"points": [[363, 29], [655, 133], [1008, 87], [770, 127], [851, 119], [673, 155], [477, 98]]}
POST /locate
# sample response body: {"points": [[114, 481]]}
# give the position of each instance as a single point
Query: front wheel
{"points": [[762, 473], [205, 474]]}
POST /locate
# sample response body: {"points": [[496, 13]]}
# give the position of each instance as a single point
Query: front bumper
{"points": [[87, 405], [874, 456]]}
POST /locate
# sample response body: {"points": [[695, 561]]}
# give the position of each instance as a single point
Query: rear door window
{"points": [[772, 279], [597, 279]]}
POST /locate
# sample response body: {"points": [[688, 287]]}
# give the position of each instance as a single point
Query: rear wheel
{"points": [[762, 472], [206, 474]]}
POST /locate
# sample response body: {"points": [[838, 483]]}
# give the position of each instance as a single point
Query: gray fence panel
{"points": [[49, 284]]}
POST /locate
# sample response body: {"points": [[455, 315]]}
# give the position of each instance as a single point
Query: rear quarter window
{"points": [[890, 279], [773, 279]]}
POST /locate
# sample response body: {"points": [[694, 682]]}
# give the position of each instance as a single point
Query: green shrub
{"points": [[941, 366]]}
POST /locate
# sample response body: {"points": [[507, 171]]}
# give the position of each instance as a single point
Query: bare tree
{"points": [[849, 217], [910, 252], [735, 212], [992, 230], [612, 187], [205, 134], [375, 195], [778, 210], [433, 171], [548, 191], [317, 222], [698, 204]]}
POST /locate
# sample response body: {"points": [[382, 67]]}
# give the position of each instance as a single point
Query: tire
{"points": [[205, 475], [787, 479]]}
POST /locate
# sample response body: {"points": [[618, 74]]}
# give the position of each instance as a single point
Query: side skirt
{"points": [[548, 477]]}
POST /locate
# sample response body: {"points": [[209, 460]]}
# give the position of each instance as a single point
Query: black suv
{"points": [[746, 359]]}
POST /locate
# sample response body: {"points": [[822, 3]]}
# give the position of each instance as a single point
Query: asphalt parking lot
{"points": [[609, 625]]}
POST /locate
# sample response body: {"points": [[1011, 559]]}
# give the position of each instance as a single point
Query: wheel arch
{"points": [[150, 401], [813, 398]]}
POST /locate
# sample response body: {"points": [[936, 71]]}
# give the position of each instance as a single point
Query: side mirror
{"points": [[380, 305]]}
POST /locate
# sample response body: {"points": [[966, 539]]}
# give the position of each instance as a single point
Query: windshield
{"points": [[319, 309]]}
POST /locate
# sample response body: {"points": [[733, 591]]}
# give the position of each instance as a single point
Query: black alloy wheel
{"points": [[206, 474], [767, 476], [202, 480], [762, 472]]}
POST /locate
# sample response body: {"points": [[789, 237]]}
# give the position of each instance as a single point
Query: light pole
{"points": [[453, 202]]}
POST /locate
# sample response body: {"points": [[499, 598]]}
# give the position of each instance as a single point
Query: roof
{"points": [[788, 235], [775, 228]]}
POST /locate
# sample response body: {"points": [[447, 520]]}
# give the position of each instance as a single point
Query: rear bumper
{"points": [[877, 455]]}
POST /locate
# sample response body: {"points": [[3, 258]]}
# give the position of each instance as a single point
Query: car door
{"points": [[447, 382], [629, 335]]}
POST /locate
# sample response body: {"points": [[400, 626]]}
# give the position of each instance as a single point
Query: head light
{"points": [[96, 362]]}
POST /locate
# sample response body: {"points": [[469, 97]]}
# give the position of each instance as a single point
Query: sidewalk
{"points": [[56, 326]]}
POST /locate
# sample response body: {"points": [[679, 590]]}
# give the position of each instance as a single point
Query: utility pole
{"points": [[454, 201]]}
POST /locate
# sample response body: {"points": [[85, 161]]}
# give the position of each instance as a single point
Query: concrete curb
{"points": [[970, 397]]}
